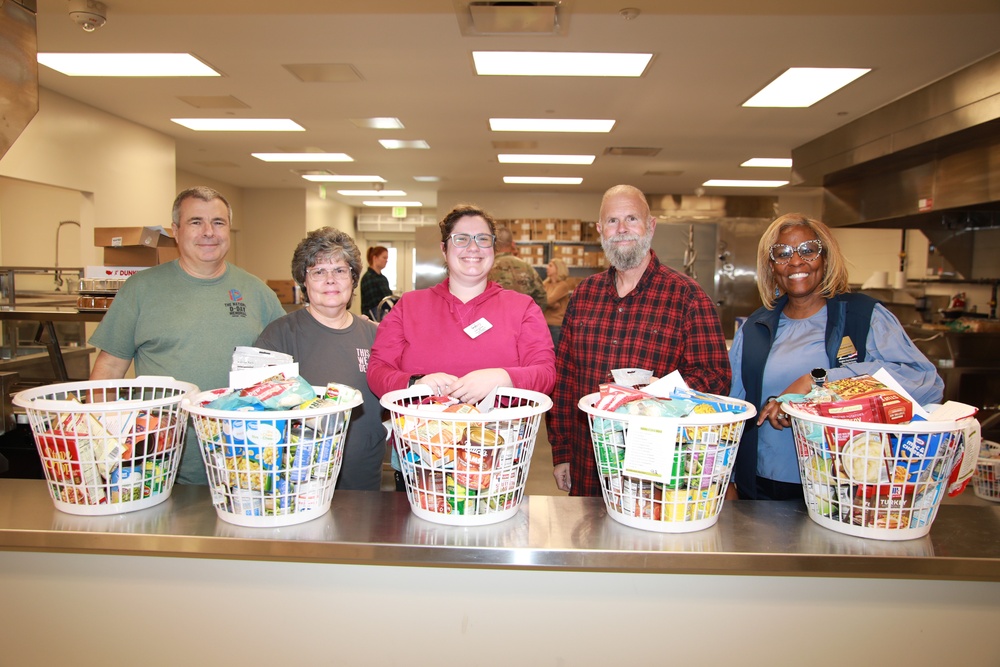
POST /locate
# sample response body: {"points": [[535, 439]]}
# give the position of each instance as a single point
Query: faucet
{"points": [[59, 279]]}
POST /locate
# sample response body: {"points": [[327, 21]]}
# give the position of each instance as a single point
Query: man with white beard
{"points": [[637, 314]]}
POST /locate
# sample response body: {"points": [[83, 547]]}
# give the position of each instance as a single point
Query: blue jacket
{"points": [[847, 315]]}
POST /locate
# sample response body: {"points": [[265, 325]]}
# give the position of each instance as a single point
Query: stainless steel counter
{"points": [[549, 533]]}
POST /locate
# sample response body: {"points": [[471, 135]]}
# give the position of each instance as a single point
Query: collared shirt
{"points": [[665, 323]]}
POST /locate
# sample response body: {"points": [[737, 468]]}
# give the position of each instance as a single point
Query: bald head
{"points": [[629, 191]]}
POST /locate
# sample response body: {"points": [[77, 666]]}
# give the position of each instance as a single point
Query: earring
{"points": [[777, 292]]}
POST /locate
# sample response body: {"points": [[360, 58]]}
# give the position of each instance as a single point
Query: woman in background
{"points": [[375, 286], [557, 289], [809, 320], [332, 345]]}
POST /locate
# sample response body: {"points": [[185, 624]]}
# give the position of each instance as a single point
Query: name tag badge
{"points": [[847, 352], [478, 327]]}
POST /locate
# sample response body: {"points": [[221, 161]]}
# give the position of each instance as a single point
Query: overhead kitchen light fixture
{"points": [[398, 144], [804, 86], [303, 157], [508, 158], [550, 125], [730, 183], [126, 64], [775, 162], [427, 179], [542, 180], [559, 63], [371, 193], [414, 204], [342, 178], [240, 124], [378, 123]]}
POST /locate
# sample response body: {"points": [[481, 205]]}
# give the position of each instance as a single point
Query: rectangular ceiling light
{"points": [[376, 202], [550, 125], [724, 183], [550, 63], [427, 179], [378, 123], [240, 124], [371, 193], [342, 178], [507, 158], [398, 144], [804, 86], [542, 180], [776, 162], [303, 157], [126, 64]]}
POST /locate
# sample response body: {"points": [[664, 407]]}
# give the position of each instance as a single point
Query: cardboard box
{"points": [[118, 237], [139, 256], [285, 289]]}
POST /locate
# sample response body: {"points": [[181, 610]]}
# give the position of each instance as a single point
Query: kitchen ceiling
{"points": [[677, 126]]}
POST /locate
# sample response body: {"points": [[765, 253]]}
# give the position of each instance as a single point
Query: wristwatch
{"points": [[414, 379]]}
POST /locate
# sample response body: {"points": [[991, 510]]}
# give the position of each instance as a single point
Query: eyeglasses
{"points": [[781, 253], [482, 240], [338, 272]]}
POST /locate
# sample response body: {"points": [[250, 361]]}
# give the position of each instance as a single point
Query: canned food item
{"points": [[309, 495], [247, 502], [610, 447]]}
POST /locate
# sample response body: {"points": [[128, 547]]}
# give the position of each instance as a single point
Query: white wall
{"points": [[273, 223]]}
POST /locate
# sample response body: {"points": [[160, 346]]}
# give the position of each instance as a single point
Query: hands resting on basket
{"points": [[772, 412], [471, 387]]}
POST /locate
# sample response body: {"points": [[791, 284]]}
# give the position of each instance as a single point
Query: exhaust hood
{"points": [[928, 161], [19, 74]]}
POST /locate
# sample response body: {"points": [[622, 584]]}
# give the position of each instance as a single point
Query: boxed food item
{"points": [[118, 237]]}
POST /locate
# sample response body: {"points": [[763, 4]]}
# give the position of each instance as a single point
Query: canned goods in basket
{"points": [[688, 463], [273, 467], [880, 481], [108, 446], [462, 464]]}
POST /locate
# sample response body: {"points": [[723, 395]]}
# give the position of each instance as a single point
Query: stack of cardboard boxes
{"points": [[126, 251], [545, 238]]}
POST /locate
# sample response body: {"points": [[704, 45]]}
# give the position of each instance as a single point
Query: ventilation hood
{"points": [[19, 74], [928, 161]]}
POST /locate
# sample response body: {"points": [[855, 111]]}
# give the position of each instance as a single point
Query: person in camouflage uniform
{"points": [[514, 273]]}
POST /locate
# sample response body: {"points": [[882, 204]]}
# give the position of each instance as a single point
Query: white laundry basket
{"points": [[108, 446], [882, 481], [465, 469], [687, 498], [274, 467]]}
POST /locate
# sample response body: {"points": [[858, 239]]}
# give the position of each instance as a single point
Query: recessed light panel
{"points": [[303, 157], [545, 159], [555, 63], [378, 123], [240, 124], [541, 180], [550, 125], [343, 178], [724, 183], [427, 179], [371, 193], [804, 86], [774, 162], [126, 64], [399, 144], [377, 202]]}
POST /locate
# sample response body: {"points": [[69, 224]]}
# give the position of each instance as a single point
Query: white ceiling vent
{"points": [[506, 17]]}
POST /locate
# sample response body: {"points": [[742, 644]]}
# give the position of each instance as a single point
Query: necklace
{"points": [[342, 322]]}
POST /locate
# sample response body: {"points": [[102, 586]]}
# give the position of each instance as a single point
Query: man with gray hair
{"points": [[637, 314], [183, 318], [514, 273]]}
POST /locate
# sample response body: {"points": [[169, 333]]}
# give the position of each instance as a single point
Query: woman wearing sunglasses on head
{"points": [[809, 320], [466, 335]]}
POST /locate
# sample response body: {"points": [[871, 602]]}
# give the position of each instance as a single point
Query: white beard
{"points": [[624, 259]]}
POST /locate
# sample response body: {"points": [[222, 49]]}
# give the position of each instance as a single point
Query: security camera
{"points": [[90, 14]]}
